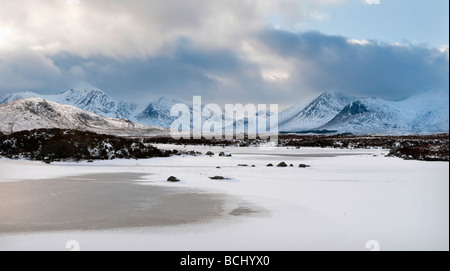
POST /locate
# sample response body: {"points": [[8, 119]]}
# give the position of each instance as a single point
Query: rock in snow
{"points": [[173, 179], [218, 178]]}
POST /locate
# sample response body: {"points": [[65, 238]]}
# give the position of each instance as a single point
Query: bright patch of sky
{"points": [[411, 21]]}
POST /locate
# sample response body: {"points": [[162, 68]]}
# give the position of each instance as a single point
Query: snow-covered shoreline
{"points": [[346, 198]]}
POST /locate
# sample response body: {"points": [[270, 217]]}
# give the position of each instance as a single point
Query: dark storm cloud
{"points": [[360, 67], [221, 60], [321, 63], [24, 70], [189, 71], [314, 62], [222, 50]]}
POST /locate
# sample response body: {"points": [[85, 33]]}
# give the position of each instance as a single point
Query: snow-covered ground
{"points": [[345, 199]]}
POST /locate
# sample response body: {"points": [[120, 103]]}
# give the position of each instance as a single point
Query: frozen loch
{"points": [[344, 200]]}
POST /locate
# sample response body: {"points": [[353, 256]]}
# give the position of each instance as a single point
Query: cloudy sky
{"points": [[226, 50]]}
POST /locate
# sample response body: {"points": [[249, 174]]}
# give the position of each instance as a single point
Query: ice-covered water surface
{"points": [[346, 198]]}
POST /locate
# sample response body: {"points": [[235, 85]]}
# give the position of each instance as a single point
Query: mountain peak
{"points": [[83, 85], [83, 96], [38, 113], [317, 113], [83, 89], [157, 112], [17, 96], [327, 94], [419, 114], [330, 95]]}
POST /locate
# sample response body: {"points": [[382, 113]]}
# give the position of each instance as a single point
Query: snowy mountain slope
{"points": [[320, 111], [427, 112], [36, 113], [94, 100], [17, 96], [241, 124], [368, 115], [84, 97], [157, 113], [422, 114]]}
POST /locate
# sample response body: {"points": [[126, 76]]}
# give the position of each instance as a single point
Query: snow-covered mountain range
{"points": [[320, 111], [425, 113], [94, 100], [84, 97], [37, 113], [157, 113], [421, 114]]}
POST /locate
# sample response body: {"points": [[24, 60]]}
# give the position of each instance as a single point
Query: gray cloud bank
{"points": [[222, 50]]}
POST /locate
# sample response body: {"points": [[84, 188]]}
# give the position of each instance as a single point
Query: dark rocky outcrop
{"points": [[51, 145], [225, 154], [218, 178], [173, 179]]}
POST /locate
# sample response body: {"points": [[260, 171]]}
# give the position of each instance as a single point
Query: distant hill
{"points": [[37, 113], [422, 114], [320, 111], [331, 111]]}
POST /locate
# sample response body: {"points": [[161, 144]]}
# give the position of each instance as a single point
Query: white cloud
{"points": [[445, 50], [274, 76], [145, 29], [272, 67], [178, 47], [359, 42], [4, 34], [140, 28]]}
